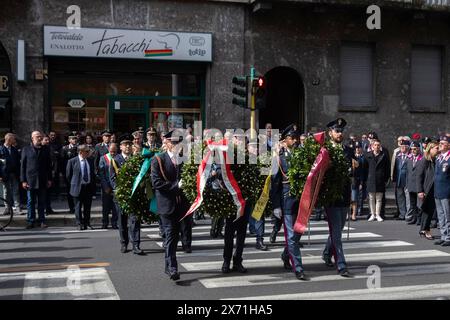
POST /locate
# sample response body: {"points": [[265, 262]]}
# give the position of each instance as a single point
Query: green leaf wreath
{"points": [[138, 204], [220, 203], [335, 179]]}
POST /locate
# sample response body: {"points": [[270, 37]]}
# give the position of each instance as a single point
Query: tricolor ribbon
{"points": [[204, 171], [312, 185]]}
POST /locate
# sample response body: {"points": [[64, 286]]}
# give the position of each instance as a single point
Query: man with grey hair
{"points": [[36, 176], [10, 157], [80, 173]]}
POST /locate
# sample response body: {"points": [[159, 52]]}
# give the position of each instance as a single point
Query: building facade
{"points": [[320, 61]]}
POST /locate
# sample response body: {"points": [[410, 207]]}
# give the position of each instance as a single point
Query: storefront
{"points": [[93, 88], [5, 92]]}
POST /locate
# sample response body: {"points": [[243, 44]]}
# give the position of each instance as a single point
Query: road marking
{"points": [[350, 258], [427, 291], [207, 233], [215, 242], [306, 248], [283, 278], [46, 267], [92, 284], [77, 231]]}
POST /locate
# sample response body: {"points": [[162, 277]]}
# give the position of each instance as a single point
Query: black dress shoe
{"points": [[124, 248], [226, 267], [261, 246], [439, 242], [300, 275], [327, 261], [446, 244], [286, 263], [30, 226], [138, 251], [239, 267], [344, 273], [81, 227], [273, 237], [188, 249], [104, 226], [175, 276]]}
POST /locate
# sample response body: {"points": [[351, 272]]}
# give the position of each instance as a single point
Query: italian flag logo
{"points": [[158, 53]]}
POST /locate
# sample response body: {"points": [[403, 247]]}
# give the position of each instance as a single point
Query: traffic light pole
{"points": [[252, 107]]}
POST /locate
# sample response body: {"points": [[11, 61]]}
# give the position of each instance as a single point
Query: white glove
{"points": [[180, 184], [277, 213]]}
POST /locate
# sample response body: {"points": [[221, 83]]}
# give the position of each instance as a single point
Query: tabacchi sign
{"points": [[124, 43]]}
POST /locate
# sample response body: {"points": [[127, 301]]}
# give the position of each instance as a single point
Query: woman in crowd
{"points": [[425, 187]]}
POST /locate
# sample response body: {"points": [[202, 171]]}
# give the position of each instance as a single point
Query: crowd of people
{"points": [[417, 169]]}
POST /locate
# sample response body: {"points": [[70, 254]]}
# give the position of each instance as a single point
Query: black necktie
{"points": [[85, 172]]}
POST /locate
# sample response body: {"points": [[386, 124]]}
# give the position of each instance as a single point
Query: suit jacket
{"points": [[411, 174], [12, 161], [103, 173], [279, 183], [170, 199], [425, 184], [400, 171], [74, 176], [35, 168], [442, 177], [378, 172]]}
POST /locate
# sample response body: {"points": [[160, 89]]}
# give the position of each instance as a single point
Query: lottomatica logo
{"points": [[197, 41]]}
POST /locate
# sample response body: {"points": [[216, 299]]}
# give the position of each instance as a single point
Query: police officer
{"points": [[172, 204], [152, 139], [286, 205], [442, 190], [102, 148], [68, 152], [129, 224], [337, 212]]}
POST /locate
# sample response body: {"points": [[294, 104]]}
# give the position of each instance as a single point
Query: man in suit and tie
{"points": [[129, 224], [399, 178], [11, 172], [172, 204], [107, 191], [411, 182], [81, 176], [36, 176]]}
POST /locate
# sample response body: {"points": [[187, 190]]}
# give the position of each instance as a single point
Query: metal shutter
{"points": [[426, 77], [356, 83]]}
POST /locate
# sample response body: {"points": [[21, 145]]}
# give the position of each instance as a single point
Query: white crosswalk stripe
{"points": [[69, 284]]}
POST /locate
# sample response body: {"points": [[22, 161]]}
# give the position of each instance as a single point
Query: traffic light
{"points": [[260, 92], [240, 92]]}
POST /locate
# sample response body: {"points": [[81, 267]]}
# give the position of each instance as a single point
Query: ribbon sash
{"points": [[260, 205], [204, 171], [312, 185], [144, 168]]}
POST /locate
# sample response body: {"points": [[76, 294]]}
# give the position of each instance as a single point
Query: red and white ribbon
{"points": [[204, 171]]}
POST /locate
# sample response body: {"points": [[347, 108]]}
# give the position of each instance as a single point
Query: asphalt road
{"points": [[63, 263]]}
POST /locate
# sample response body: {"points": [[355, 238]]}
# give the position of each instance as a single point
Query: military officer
{"points": [[442, 191], [337, 212], [152, 142], [171, 202], [102, 148], [129, 224], [286, 205], [68, 152]]}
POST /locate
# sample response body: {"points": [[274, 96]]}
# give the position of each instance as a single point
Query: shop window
{"points": [[356, 77], [426, 78]]}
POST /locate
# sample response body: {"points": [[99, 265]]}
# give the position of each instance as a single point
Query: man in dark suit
{"points": [[11, 171], [129, 224], [172, 204], [107, 191], [399, 178], [411, 182], [69, 152], [81, 176], [36, 176]]}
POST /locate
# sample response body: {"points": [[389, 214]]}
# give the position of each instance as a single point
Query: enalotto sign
{"points": [[130, 44]]}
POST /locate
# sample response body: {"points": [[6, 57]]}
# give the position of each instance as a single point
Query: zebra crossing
{"points": [[396, 259]]}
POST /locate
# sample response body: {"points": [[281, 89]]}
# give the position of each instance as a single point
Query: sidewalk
{"points": [[63, 217]]}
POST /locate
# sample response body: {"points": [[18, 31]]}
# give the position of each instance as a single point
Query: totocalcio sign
{"points": [[129, 44]]}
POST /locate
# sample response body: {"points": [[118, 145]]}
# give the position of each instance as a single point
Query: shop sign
{"points": [[76, 103], [129, 44]]}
